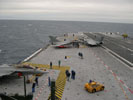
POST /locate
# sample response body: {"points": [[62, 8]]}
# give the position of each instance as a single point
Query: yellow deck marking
{"points": [[58, 97], [68, 56], [59, 93], [32, 78], [61, 79], [82, 46]]}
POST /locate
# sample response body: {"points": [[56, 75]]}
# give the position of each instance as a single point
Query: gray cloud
{"points": [[82, 10]]}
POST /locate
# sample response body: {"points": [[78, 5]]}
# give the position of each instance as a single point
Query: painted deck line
{"points": [[114, 74], [130, 90], [122, 89], [126, 86], [40, 91], [111, 71], [31, 56], [120, 81], [124, 61], [35, 53], [121, 46]]}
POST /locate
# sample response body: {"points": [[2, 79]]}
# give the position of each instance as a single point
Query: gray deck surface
{"points": [[91, 67], [94, 66], [123, 47]]}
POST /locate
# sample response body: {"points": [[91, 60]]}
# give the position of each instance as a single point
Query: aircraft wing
{"points": [[29, 71], [91, 42], [94, 41], [65, 44], [6, 70], [5, 73]]}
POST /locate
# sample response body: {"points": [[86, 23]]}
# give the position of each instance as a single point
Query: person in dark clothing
{"points": [[65, 57], [81, 56], [50, 65], [67, 75], [73, 35], [36, 80], [33, 87], [73, 73], [66, 72], [59, 63], [90, 81]]}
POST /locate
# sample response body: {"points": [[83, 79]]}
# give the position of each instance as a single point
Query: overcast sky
{"points": [[74, 10]]}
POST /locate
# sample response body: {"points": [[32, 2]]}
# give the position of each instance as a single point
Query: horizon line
{"points": [[66, 20]]}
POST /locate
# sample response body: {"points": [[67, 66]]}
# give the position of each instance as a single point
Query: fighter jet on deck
{"points": [[92, 42], [53, 40], [60, 44], [80, 39], [7, 70], [97, 40], [64, 45]]}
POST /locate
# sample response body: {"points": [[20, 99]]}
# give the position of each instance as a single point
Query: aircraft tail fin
{"points": [[53, 39], [101, 40]]}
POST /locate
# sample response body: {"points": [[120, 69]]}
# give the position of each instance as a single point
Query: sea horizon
{"points": [[65, 21], [20, 38]]}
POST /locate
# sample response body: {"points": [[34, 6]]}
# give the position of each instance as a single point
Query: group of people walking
{"points": [[72, 74]]}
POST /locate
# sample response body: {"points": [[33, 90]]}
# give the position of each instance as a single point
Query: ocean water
{"points": [[20, 38]]}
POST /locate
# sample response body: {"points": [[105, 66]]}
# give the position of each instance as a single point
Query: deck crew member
{"points": [[33, 87], [50, 65]]}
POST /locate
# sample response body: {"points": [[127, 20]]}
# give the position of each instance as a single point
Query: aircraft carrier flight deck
{"points": [[109, 62]]}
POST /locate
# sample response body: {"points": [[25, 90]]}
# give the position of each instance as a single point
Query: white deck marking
{"points": [[108, 50], [121, 46], [32, 55], [114, 74]]}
